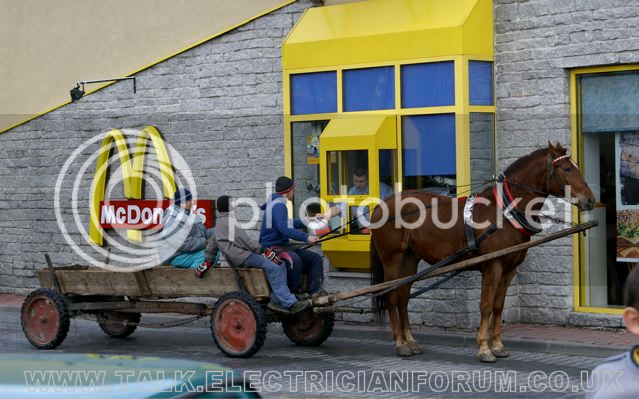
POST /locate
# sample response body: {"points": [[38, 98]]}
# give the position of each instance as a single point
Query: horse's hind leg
{"points": [[392, 271], [498, 307], [491, 274]]}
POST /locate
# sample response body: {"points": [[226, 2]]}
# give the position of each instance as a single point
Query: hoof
{"points": [[415, 348], [500, 352], [486, 357], [404, 351]]}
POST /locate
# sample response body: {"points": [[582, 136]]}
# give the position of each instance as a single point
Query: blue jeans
{"points": [[189, 261], [276, 275], [309, 263]]}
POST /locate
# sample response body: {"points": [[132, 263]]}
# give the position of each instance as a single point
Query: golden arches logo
{"points": [[132, 174]]}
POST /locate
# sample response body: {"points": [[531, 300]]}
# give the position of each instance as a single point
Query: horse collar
{"points": [[515, 216]]}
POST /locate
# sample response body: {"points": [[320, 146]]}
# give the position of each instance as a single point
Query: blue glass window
{"points": [[610, 102], [369, 89], [481, 82], [429, 145], [428, 85], [314, 93]]}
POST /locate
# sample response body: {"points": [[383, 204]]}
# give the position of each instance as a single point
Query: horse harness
{"points": [[510, 207]]}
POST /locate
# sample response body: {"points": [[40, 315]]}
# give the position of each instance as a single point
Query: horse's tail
{"points": [[377, 276]]}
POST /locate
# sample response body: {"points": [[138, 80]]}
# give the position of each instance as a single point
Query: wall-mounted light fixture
{"points": [[77, 92]]}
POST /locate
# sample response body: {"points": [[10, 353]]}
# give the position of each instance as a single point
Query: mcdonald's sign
{"points": [[134, 213]]}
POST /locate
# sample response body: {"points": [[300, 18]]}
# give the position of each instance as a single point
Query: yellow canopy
{"points": [[389, 30], [359, 133]]}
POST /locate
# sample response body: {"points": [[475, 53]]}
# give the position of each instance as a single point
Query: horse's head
{"points": [[562, 172]]}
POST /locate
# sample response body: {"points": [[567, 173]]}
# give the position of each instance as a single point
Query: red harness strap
{"points": [[509, 216]]}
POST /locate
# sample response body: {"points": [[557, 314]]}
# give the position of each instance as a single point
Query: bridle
{"points": [[504, 197], [552, 172]]}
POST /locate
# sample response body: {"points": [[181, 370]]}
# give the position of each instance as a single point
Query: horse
{"points": [[396, 248]]}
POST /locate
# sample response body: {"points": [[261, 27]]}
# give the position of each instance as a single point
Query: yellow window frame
{"points": [[461, 109], [579, 263]]}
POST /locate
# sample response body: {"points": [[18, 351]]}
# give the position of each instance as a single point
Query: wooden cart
{"points": [[239, 317]]}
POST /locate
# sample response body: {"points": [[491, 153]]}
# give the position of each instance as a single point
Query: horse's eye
{"points": [[567, 169]]}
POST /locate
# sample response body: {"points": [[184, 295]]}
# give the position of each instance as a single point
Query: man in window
{"points": [[360, 185]]}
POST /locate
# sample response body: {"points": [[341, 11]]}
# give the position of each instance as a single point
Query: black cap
{"points": [[284, 185], [183, 194], [223, 203]]}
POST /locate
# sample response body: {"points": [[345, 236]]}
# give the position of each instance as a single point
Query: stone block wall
{"points": [[537, 42]]}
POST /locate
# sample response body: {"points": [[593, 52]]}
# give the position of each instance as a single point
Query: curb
{"points": [[362, 331]]}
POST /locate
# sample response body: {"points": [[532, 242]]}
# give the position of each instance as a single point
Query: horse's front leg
{"points": [[490, 275], [498, 308], [404, 322], [395, 320]]}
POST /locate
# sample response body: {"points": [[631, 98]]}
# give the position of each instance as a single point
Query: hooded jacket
{"points": [[276, 227], [235, 248], [183, 232]]}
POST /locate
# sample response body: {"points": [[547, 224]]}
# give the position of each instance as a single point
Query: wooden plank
{"points": [[91, 281], [373, 289], [162, 281], [143, 307], [171, 282]]}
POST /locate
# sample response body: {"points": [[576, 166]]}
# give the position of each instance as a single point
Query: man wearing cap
{"points": [[276, 231], [239, 250], [183, 237]]}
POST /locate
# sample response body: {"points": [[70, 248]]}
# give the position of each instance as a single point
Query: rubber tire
{"points": [[247, 312], [309, 328], [56, 307], [119, 330]]}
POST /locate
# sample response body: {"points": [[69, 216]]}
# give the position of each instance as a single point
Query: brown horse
{"points": [[396, 249]]}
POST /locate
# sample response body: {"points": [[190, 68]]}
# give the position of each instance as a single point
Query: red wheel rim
{"points": [[42, 320], [235, 326]]}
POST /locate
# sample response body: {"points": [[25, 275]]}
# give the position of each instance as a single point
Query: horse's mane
{"points": [[525, 160]]}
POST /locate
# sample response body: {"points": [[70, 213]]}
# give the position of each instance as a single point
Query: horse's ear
{"points": [[560, 149], [551, 149]]}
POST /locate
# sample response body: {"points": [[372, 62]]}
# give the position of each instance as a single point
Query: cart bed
{"points": [[157, 282]]}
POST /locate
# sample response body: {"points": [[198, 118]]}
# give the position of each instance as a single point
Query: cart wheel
{"points": [[309, 328], [45, 318], [115, 324], [238, 324]]}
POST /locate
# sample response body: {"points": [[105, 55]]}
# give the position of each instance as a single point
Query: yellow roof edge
{"points": [[199, 42]]}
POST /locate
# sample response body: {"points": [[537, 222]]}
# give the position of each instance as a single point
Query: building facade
{"points": [[436, 99]]}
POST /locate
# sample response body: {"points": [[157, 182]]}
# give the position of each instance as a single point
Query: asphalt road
{"points": [[341, 367]]}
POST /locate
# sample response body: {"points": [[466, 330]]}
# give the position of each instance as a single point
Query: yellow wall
{"points": [[47, 46]]}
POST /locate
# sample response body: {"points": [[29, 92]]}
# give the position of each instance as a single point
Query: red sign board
{"points": [[147, 214]]}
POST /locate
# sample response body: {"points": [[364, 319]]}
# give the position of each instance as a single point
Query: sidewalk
{"points": [[518, 336]]}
